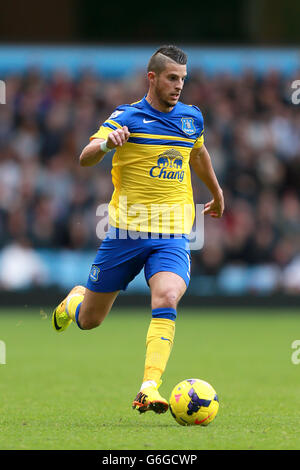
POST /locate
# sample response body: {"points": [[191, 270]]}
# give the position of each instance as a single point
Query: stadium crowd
{"points": [[252, 131]]}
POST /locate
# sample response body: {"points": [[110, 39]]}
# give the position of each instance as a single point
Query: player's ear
{"points": [[151, 76]]}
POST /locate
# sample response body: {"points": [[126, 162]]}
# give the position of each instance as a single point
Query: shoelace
{"points": [[141, 397]]}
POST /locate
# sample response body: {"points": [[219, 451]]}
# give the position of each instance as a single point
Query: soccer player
{"points": [[151, 213]]}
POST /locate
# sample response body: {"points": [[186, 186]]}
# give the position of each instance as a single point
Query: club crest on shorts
{"points": [[94, 273], [188, 125]]}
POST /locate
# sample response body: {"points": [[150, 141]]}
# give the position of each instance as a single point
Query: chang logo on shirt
{"points": [[168, 166]]}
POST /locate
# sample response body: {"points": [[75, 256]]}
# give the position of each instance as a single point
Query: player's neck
{"points": [[154, 101]]}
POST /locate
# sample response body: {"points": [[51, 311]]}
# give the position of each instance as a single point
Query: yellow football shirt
{"points": [[151, 172]]}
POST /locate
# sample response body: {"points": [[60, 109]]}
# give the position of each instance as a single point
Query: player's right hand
{"points": [[118, 137]]}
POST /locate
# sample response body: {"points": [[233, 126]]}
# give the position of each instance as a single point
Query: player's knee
{"points": [[166, 298]]}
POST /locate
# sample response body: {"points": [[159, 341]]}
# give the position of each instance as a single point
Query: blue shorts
{"points": [[119, 260]]}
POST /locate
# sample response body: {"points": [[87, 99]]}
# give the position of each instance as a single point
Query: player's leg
{"points": [[82, 306], [116, 263], [167, 288], [167, 271], [93, 309]]}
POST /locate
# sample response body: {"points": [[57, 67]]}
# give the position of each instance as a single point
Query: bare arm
{"points": [[201, 163], [92, 154]]}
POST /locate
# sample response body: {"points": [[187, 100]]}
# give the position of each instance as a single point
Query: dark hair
{"points": [[157, 62]]}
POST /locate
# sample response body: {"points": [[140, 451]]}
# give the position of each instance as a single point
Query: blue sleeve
{"points": [[200, 128]]}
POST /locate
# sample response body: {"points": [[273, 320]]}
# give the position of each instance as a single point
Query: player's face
{"points": [[169, 83]]}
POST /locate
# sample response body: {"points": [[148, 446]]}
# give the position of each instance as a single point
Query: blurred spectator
{"points": [[291, 276], [21, 266]]}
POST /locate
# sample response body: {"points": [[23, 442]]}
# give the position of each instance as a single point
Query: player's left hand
{"points": [[215, 207]]}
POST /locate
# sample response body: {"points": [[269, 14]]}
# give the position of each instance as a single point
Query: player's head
{"points": [[166, 74]]}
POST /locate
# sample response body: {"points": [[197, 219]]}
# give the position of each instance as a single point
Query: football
{"points": [[194, 401]]}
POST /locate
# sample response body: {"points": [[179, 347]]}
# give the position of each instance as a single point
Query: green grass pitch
{"points": [[74, 390]]}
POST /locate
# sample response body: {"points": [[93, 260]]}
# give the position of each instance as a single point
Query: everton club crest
{"points": [[188, 125]]}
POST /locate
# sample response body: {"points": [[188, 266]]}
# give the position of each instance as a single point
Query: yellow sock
{"points": [[159, 343], [72, 304]]}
